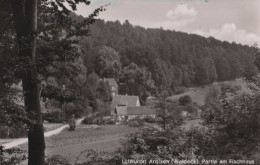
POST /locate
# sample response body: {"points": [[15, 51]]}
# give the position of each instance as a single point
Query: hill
{"points": [[173, 58]]}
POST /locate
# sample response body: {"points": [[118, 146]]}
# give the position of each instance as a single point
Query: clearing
{"points": [[199, 94]]}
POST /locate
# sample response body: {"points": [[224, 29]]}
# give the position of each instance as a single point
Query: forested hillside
{"points": [[171, 59]]}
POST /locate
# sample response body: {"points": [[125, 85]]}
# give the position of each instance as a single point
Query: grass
{"points": [[100, 138], [199, 94]]}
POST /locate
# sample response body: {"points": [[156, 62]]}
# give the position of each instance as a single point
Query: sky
{"points": [[227, 20]]}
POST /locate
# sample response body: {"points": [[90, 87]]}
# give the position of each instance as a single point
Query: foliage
{"points": [[107, 63], [151, 143], [99, 158], [56, 160], [179, 90], [103, 91], [11, 156], [172, 58], [53, 117], [100, 117], [168, 116], [233, 122], [149, 120], [47, 28], [136, 81], [184, 100], [93, 120], [7, 132], [136, 122]]}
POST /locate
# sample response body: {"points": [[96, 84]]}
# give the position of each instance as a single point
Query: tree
{"points": [[64, 83], [185, 100], [23, 15], [136, 81], [233, 122], [107, 63], [168, 114], [25, 22], [61, 94]]}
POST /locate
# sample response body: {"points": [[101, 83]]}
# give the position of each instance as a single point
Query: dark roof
{"points": [[129, 101], [142, 110], [111, 82]]}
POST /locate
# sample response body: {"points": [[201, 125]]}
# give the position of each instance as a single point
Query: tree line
{"points": [[168, 58]]}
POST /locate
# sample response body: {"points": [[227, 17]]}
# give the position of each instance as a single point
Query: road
{"points": [[17, 142]]}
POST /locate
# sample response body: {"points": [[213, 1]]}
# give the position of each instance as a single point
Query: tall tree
{"points": [[56, 24], [25, 21], [107, 63], [136, 81]]}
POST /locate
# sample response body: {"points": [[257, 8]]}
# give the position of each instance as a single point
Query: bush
{"points": [[184, 100], [149, 120], [88, 120], [13, 132], [17, 133], [3, 132], [11, 156], [74, 109], [109, 120], [93, 120], [135, 122], [53, 117], [57, 160]]}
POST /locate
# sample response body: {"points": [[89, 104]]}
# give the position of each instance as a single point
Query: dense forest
{"points": [[167, 59]]}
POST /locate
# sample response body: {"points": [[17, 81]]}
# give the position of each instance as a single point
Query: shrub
{"points": [[11, 156], [88, 120], [184, 100], [6, 132], [93, 120], [74, 109], [53, 117], [17, 133], [109, 120], [92, 157], [137, 122], [3, 132], [57, 160], [149, 120]]}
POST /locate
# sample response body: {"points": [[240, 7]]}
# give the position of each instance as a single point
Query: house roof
{"points": [[142, 110], [129, 101], [111, 82]]}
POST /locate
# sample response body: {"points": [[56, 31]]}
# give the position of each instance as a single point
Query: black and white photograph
{"points": [[129, 82]]}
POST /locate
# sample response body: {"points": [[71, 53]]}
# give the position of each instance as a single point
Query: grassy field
{"points": [[100, 138], [199, 94]]}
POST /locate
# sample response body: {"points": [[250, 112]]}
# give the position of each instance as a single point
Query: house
{"points": [[120, 101], [128, 113], [124, 108], [112, 85]]}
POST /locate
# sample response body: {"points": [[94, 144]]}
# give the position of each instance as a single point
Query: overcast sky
{"points": [[230, 20]]}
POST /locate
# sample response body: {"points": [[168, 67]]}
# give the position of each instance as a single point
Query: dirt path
{"points": [[17, 142]]}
